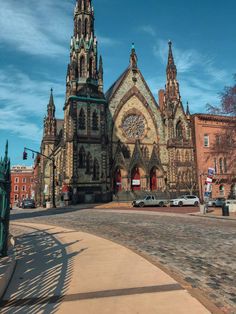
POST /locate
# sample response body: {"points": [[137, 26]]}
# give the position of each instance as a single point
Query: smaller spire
{"points": [[187, 110], [133, 58], [6, 152], [100, 75], [51, 106], [171, 69]]}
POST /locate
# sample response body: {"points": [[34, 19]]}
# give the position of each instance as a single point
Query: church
{"points": [[119, 144]]}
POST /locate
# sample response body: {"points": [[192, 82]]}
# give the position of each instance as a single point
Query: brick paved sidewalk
{"points": [[64, 271]]}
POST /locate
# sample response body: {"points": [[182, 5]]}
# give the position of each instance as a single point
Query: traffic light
{"points": [[25, 155]]}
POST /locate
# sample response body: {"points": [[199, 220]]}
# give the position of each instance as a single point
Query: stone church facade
{"points": [[119, 144]]}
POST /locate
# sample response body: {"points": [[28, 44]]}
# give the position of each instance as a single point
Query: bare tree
{"points": [[227, 101]]}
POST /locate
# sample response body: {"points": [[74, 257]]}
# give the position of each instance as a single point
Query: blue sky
{"points": [[34, 52]]}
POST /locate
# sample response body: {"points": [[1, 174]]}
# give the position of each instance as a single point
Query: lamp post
{"points": [[53, 170]]}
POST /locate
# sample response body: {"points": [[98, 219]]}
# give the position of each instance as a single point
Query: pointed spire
{"points": [[51, 106], [133, 58], [100, 75], [187, 110], [6, 152], [171, 69]]}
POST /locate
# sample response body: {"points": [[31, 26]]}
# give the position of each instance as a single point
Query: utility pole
{"points": [[53, 170]]}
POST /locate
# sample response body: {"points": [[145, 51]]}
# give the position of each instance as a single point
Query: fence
{"points": [[5, 185]]}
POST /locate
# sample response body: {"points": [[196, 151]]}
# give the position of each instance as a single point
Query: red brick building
{"points": [[22, 181], [215, 147]]}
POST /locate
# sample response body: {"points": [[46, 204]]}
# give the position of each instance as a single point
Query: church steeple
{"points": [[83, 67], [51, 106], [172, 86], [83, 19], [50, 123]]}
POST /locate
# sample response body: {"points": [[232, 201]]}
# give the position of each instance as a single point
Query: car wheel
{"points": [[196, 204], [141, 204], [161, 204], [180, 204]]}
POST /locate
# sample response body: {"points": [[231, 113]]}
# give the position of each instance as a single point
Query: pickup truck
{"points": [[150, 200]]}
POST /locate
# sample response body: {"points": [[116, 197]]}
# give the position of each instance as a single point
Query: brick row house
{"points": [[22, 183], [215, 147]]}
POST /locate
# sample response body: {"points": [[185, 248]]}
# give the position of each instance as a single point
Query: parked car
{"points": [[150, 200], [28, 203], [190, 200], [216, 202]]}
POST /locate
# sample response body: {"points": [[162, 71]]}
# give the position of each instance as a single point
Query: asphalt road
{"points": [[201, 251]]}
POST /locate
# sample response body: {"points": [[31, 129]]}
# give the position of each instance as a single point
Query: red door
{"points": [[153, 180], [118, 185], [136, 182]]}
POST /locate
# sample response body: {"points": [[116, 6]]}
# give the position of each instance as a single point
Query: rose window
{"points": [[134, 126]]}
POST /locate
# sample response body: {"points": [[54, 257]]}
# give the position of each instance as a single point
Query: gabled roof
{"points": [[111, 91]]}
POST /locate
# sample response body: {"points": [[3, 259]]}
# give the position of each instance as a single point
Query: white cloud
{"points": [[148, 29], [23, 103], [40, 28]]}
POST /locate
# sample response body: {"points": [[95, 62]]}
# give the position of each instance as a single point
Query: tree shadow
{"points": [[46, 212], [42, 276]]}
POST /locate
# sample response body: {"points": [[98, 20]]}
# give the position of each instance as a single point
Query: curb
{"points": [[213, 217], [8, 265]]}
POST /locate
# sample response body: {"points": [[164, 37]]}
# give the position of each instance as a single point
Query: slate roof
{"points": [[111, 91]]}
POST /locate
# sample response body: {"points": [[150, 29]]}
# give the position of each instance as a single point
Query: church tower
{"points": [[181, 175], [50, 128], [85, 127]]}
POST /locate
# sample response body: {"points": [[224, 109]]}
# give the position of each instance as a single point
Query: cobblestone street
{"points": [[200, 251]]}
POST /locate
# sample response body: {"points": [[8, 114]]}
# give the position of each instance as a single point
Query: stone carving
{"points": [[134, 126]]}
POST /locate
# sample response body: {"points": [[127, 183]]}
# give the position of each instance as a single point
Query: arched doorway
{"points": [[153, 179], [135, 179], [117, 181]]}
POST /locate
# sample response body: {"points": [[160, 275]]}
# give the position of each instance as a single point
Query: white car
{"points": [[150, 200], [189, 200]]}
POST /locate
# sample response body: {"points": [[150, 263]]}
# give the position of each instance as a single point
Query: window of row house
{"points": [[16, 180], [15, 197], [24, 180], [206, 140], [82, 120], [23, 188], [16, 188], [223, 168]]}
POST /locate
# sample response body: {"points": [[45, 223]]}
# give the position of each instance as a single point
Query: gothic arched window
{"points": [[179, 131], [82, 66], [85, 5], [89, 163], [79, 27], [82, 122], [146, 153], [85, 27], [96, 170], [82, 158], [91, 67], [95, 121]]}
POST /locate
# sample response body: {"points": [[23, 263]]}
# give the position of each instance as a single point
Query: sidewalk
{"points": [[64, 271]]}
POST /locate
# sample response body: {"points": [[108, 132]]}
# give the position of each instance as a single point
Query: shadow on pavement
{"points": [[44, 212], [42, 275]]}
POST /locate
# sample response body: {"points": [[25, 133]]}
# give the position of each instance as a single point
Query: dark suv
{"points": [[28, 203]]}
